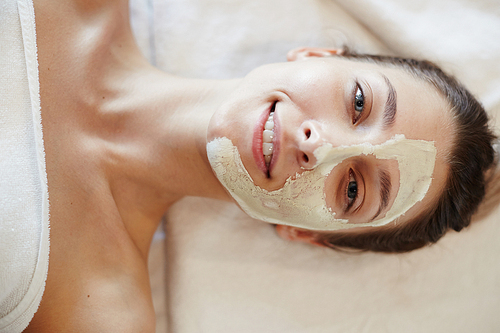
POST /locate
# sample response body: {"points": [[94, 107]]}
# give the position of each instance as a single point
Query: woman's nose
{"points": [[310, 138]]}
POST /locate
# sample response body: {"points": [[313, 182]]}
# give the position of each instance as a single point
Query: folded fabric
{"points": [[24, 214]]}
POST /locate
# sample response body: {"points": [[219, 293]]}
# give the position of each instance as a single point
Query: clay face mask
{"points": [[301, 202]]}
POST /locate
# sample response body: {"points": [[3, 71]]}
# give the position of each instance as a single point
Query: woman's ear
{"points": [[296, 234], [307, 52]]}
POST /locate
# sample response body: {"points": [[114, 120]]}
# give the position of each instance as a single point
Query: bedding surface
{"points": [[228, 273]]}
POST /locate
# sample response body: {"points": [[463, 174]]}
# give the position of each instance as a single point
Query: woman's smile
{"points": [[268, 138], [295, 108], [265, 143]]}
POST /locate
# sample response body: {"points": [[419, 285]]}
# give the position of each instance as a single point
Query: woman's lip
{"points": [[257, 141]]}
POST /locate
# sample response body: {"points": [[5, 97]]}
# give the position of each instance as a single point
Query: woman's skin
{"points": [[313, 99], [124, 141]]}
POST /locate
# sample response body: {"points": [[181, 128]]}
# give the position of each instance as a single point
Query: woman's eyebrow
{"points": [[390, 104], [385, 191]]}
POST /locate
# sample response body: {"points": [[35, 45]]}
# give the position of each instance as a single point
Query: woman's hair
{"points": [[470, 159]]}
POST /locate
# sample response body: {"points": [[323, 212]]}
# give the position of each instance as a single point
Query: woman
{"points": [[124, 141]]}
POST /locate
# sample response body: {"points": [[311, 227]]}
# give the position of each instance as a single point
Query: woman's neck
{"points": [[157, 124], [150, 127]]}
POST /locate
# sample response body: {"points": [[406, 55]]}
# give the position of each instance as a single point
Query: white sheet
{"points": [[228, 273]]}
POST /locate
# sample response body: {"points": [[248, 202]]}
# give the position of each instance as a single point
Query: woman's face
{"points": [[342, 103]]}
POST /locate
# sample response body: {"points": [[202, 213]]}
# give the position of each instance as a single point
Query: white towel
{"points": [[24, 216]]}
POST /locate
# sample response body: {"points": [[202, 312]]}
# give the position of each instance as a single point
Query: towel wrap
{"points": [[24, 203]]}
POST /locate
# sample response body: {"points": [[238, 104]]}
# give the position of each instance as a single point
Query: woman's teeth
{"points": [[267, 138]]}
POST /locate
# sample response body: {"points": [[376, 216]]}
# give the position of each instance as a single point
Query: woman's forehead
{"points": [[422, 112]]}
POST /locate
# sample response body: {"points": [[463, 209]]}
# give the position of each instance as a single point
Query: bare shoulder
{"points": [[98, 279], [108, 307]]}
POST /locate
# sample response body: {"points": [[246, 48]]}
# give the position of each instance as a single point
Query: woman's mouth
{"points": [[265, 144], [267, 139]]}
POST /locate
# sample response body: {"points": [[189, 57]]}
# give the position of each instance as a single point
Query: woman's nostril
{"points": [[306, 158], [308, 133]]}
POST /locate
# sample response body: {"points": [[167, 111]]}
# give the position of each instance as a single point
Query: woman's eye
{"points": [[352, 189], [359, 104]]}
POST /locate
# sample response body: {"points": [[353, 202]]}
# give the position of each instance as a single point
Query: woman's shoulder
{"points": [[109, 307], [98, 280]]}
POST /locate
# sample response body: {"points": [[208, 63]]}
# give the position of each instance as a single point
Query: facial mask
{"points": [[301, 202]]}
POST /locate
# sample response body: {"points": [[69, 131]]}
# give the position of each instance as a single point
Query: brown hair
{"points": [[471, 157]]}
